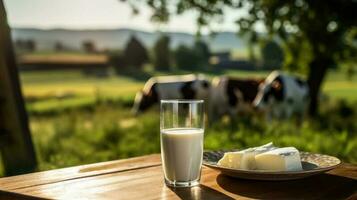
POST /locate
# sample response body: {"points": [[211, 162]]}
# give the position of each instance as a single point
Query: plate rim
{"points": [[319, 169]]}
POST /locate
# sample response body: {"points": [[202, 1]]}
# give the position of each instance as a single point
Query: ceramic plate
{"points": [[312, 164]]}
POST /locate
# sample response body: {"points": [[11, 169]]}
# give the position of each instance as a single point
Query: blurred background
{"points": [[82, 62]]}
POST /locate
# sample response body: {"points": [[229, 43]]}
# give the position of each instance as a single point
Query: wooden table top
{"points": [[142, 178]]}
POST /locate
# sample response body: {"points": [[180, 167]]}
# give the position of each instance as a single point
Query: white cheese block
{"points": [[244, 159], [281, 159], [224, 161], [237, 160]]}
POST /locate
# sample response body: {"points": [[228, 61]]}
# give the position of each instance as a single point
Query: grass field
{"points": [[85, 90], [44, 83], [77, 119]]}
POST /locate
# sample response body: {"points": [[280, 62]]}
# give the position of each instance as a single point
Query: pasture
{"points": [[77, 119]]}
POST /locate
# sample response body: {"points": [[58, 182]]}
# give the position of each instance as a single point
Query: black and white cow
{"points": [[230, 96], [171, 87], [281, 96]]}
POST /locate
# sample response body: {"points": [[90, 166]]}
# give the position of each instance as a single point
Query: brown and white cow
{"points": [[282, 95], [230, 96], [171, 87]]}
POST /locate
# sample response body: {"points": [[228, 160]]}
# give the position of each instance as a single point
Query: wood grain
{"points": [[22, 181], [142, 178]]}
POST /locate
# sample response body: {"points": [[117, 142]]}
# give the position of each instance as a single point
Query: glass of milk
{"points": [[181, 134]]}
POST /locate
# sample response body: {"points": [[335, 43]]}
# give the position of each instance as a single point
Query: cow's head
{"points": [[202, 88], [270, 92], [144, 100], [196, 89]]}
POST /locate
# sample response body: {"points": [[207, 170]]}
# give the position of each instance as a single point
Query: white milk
{"points": [[181, 153]]}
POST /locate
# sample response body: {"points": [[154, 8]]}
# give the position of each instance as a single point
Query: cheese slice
{"points": [[244, 159], [281, 159]]}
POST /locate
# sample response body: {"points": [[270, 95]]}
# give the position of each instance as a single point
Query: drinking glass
{"points": [[181, 135]]}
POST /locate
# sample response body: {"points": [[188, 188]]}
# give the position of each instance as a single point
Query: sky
{"points": [[100, 14]]}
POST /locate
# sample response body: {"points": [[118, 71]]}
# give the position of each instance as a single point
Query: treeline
{"points": [[135, 55], [25, 45], [188, 57]]}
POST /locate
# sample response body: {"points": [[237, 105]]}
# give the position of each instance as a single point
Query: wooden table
{"points": [[142, 178]]}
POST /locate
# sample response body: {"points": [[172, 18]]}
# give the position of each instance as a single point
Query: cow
{"points": [[171, 87], [230, 96], [282, 96]]}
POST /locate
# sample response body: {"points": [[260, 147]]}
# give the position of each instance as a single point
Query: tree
{"points": [[89, 46], [162, 53], [25, 45], [185, 58], [116, 59], [272, 55], [202, 52], [59, 46], [190, 58], [322, 26], [19, 43], [17, 149], [30, 45], [135, 53]]}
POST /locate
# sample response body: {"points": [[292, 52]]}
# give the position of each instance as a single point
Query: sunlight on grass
{"points": [[76, 119], [79, 137], [127, 123], [341, 89]]}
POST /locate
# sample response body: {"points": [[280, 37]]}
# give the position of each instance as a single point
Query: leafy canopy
{"points": [[323, 28], [161, 52], [135, 53]]}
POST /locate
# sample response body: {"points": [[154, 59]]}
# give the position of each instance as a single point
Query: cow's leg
{"points": [[233, 116], [299, 119], [289, 112], [270, 113], [215, 110], [281, 112], [212, 113], [268, 116]]}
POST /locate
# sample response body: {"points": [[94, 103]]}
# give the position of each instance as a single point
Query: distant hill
{"points": [[117, 38]]}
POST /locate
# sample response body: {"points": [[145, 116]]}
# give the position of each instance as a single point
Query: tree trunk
{"points": [[318, 68], [17, 151]]}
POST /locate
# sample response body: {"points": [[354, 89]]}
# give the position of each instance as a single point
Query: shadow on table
{"points": [[199, 192], [323, 186], [14, 196]]}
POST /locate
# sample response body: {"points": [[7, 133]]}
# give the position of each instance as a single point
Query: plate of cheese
{"points": [[268, 162]]}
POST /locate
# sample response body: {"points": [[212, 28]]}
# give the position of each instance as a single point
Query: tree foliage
{"points": [[26, 45], [162, 53], [326, 28], [31, 45], [202, 52], [89, 46], [117, 61], [194, 57], [135, 53], [59, 46], [185, 58], [272, 55]]}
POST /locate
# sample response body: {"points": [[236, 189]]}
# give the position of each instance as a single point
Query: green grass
{"points": [[107, 133], [55, 82], [85, 137], [41, 83], [77, 119], [337, 86]]}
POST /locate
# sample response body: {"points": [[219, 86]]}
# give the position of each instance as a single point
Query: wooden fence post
{"points": [[16, 146]]}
